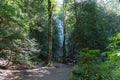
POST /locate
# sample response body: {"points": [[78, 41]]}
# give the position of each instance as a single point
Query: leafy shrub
{"points": [[25, 52], [90, 68]]}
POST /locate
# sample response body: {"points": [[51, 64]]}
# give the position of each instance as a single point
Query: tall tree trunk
{"points": [[75, 9], [64, 41], [49, 33]]}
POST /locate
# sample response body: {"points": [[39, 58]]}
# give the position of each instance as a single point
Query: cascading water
{"points": [[60, 38], [61, 32]]}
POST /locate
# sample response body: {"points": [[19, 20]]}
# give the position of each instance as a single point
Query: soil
{"points": [[60, 72]]}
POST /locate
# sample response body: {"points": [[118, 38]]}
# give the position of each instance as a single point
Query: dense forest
{"points": [[84, 34]]}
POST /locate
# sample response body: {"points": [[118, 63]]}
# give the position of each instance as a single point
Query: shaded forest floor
{"points": [[60, 72]]}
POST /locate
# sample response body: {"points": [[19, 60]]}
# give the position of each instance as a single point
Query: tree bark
{"points": [[49, 33], [75, 9], [64, 41]]}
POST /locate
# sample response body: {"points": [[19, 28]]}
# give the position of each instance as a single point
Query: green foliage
{"points": [[115, 42], [114, 56], [21, 20], [26, 51], [14, 28], [89, 56], [93, 27], [38, 28], [114, 46], [90, 72], [90, 67]]}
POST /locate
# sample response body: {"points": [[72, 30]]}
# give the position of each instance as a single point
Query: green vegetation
{"points": [[85, 32], [97, 28]]}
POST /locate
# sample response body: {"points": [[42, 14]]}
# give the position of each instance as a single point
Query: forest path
{"points": [[61, 72]]}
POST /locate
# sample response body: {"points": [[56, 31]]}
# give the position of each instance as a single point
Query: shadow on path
{"points": [[62, 72]]}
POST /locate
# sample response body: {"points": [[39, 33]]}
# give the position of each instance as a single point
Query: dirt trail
{"points": [[61, 72]]}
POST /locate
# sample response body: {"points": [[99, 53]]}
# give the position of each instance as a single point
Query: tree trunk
{"points": [[49, 33], [75, 9], [64, 41]]}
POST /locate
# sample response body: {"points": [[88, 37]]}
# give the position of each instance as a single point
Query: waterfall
{"points": [[60, 30]]}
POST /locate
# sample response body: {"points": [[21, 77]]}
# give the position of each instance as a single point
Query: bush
{"points": [[90, 67], [26, 52]]}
